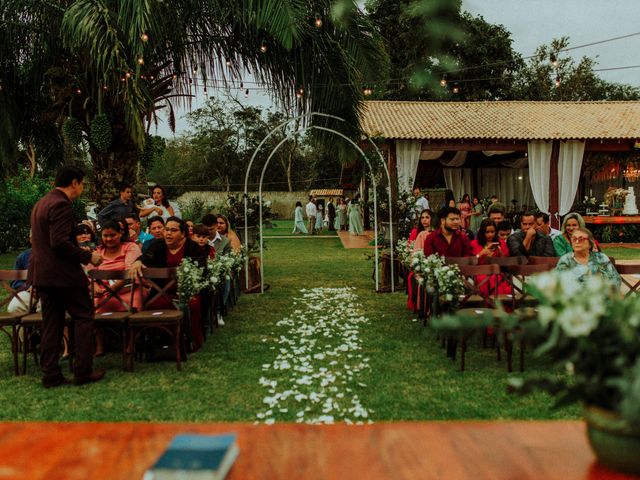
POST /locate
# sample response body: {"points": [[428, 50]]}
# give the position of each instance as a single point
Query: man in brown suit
{"points": [[55, 271]]}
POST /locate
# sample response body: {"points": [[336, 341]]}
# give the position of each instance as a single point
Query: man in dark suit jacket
{"points": [[331, 214], [56, 272]]}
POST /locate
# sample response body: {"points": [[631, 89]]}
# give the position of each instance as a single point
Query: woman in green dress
{"points": [[341, 215], [355, 217], [299, 226], [562, 243], [476, 215]]}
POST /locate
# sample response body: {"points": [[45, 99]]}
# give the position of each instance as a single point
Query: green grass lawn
{"points": [[409, 378], [285, 227]]}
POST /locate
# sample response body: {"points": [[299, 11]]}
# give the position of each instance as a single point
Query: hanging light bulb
{"points": [[553, 59], [443, 82], [318, 21], [205, 91], [78, 91], [105, 88], [140, 61], [142, 77], [174, 76], [298, 95], [123, 79], [263, 47], [367, 91], [557, 81], [455, 89], [241, 85], [228, 63], [144, 37], [128, 74], [151, 77], [246, 93]]}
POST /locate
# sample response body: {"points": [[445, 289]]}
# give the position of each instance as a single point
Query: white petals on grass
{"points": [[319, 361]]}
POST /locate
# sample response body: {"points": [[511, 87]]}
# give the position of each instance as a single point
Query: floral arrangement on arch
{"points": [[591, 332], [233, 209]]}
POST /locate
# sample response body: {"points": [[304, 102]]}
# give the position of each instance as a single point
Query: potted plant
{"points": [[593, 332]]}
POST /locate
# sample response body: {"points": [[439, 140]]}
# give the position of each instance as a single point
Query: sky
{"points": [[533, 23]]}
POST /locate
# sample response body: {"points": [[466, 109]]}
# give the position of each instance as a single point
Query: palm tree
{"points": [[107, 66]]}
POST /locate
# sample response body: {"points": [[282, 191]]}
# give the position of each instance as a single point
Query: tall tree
{"points": [[117, 62], [552, 75]]}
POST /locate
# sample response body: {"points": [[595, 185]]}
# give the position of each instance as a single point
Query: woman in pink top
{"points": [[116, 255], [488, 245], [465, 210], [418, 236]]}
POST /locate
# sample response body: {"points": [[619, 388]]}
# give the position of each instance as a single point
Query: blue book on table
{"points": [[195, 457]]}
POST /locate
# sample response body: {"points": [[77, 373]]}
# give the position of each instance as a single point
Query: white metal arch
{"points": [[264, 168]]}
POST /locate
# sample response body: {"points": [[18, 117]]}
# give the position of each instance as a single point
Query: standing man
{"points": [[120, 207], [311, 215], [55, 271], [331, 215], [421, 202]]}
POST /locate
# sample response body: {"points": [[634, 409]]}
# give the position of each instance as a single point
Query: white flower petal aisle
{"points": [[316, 375]]}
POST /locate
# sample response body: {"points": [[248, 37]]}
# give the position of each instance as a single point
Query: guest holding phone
{"points": [[487, 244]]}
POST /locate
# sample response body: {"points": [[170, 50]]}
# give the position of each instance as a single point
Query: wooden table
{"points": [[433, 450], [610, 220]]}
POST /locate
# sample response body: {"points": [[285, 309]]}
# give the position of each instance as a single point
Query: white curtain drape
{"points": [[457, 160], [459, 181], [508, 184], [539, 153], [431, 154], [517, 163], [569, 166], [407, 158]]}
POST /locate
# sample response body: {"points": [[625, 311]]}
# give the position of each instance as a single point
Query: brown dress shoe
{"points": [[55, 382], [94, 376]]}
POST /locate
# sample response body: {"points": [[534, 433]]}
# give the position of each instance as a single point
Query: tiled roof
{"points": [[327, 192], [501, 120]]}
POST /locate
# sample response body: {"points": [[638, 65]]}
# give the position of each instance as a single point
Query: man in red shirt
{"points": [[448, 241]]}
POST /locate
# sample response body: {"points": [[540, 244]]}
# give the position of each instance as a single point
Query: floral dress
{"points": [[465, 210], [598, 264]]}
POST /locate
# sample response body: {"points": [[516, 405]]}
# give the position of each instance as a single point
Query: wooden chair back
{"points": [[7, 277], [480, 281], [160, 282], [634, 287], [553, 261], [101, 279], [501, 261], [517, 277], [461, 260]]}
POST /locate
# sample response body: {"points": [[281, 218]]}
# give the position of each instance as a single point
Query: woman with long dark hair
{"points": [[465, 210], [487, 244], [157, 205]]}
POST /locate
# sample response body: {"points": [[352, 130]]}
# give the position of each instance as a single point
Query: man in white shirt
{"points": [[421, 202], [311, 215], [542, 221]]}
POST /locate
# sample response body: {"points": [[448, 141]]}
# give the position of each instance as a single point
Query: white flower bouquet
{"points": [[191, 279]]}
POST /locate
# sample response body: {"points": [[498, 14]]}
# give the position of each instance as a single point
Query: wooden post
{"points": [[392, 165], [554, 191]]}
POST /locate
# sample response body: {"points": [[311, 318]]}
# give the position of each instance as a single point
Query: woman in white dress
{"points": [[319, 219], [158, 205], [341, 214], [298, 216], [355, 216]]}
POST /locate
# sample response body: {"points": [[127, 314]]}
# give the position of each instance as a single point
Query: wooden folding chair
{"points": [[517, 277], [102, 292], [634, 286], [160, 281], [480, 283], [31, 325], [11, 320]]}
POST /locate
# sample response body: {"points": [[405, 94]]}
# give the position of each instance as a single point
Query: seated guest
{"points": [[487, 244], [190, 226], [571, 222], [156, 229], [117, 255], [120, 207], [224, 229], [504, 230], [221, 243], [21, 304], [136, 234], [85, 237], [583, 261], [169, 252], [542, 220], [529, 241], [419, 234], [496, 212], [22, 263], [447, 240], [201, 237]]}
